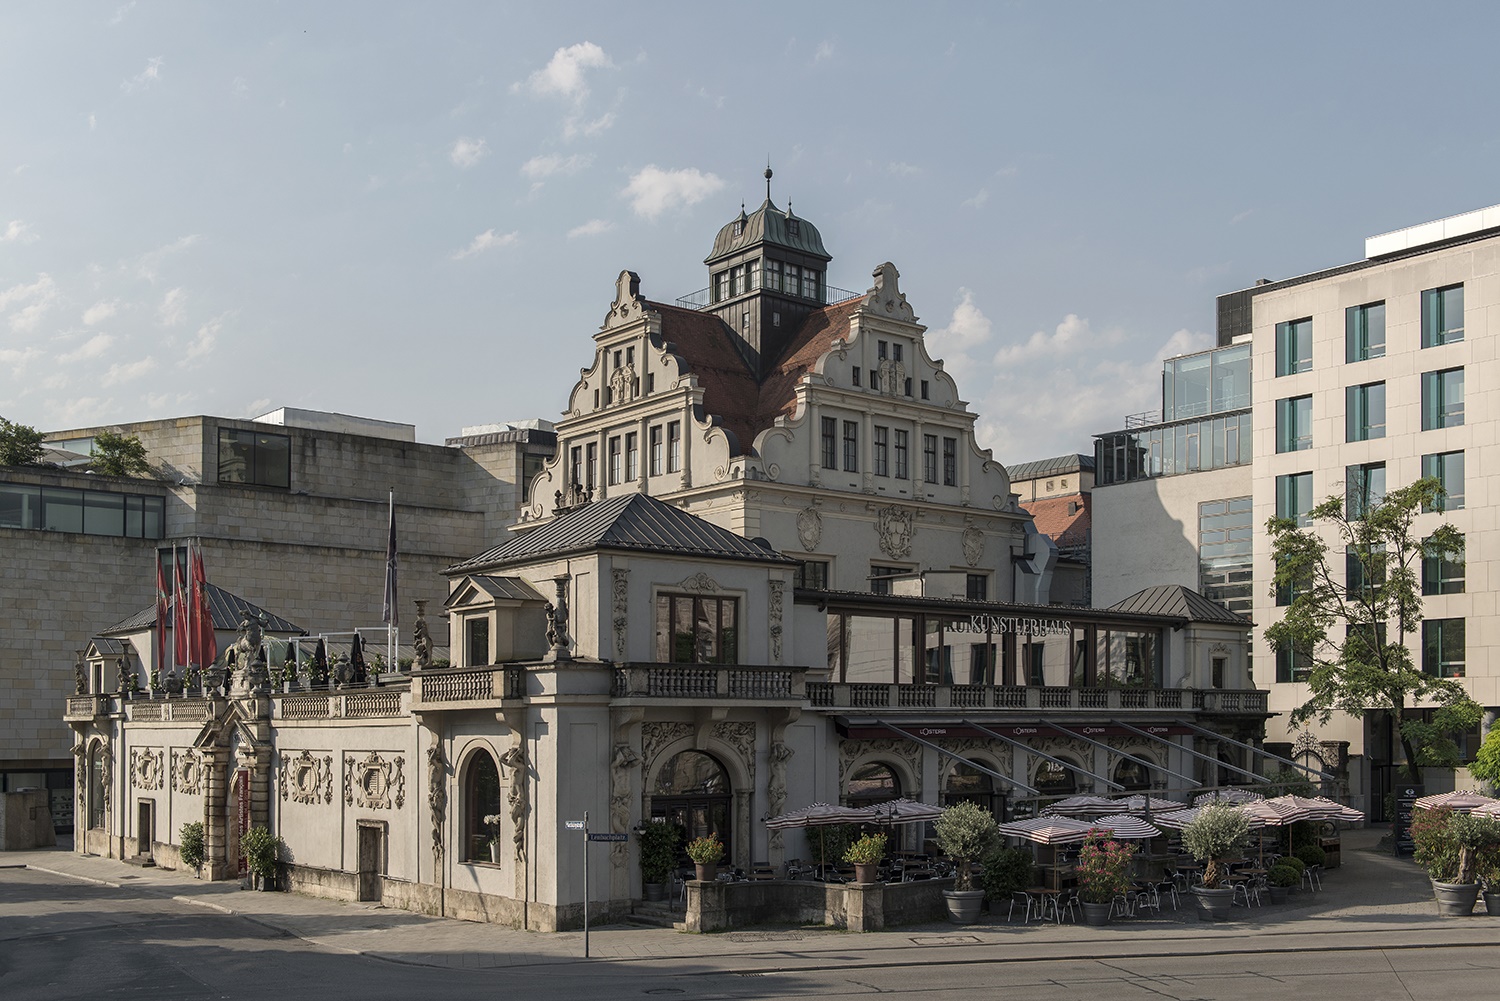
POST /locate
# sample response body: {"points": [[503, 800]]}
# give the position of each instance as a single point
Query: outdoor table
{"points": [[1048, 895]]}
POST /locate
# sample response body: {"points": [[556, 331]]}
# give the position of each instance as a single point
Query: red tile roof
{"points": [[1059, 519]]}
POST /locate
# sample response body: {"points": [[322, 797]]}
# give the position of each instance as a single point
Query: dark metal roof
{"points": [[1050, 467], [768, 224], [858, 601], [226, 608], [501, 589], [106, 646], [632, 522], [1180, 602]]}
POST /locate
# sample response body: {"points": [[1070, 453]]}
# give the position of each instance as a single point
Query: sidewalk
{"points": [[1372, 901]]}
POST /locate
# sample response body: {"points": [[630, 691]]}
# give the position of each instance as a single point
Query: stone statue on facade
{"points": [[80, 676], [437, 794], [515, 760], [557, 622], [247, 656], [421, 639]]}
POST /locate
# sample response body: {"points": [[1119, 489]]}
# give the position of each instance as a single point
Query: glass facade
{"points": [[1294, 424], [1225, 536], [1171, 449], [1442, 399], [1364, 412], [1443, 647], [1294, 497], [1364, 332], [1212, 382], [86, 512], [1364, 488], [1294, 347], [1442, 316], [1448, 469]]}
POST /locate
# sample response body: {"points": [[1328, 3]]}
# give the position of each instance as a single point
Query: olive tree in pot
{"points": [[965, 833], [1219, 832], [190, 846], [705, 853], [1449, 846], [1489, 878], [262, 853], [865, 855], [659, 841]]}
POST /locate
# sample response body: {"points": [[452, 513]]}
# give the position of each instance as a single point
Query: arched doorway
{"points": [[692, 792], [873, 783], [969, 785], [1133, 775], [1052, 779], [481, 792]]}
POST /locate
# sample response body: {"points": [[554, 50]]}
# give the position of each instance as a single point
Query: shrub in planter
{"points": [[965, 833], [190, 844], [706, 851], [832, 841], [1218, 833], [868, 850], [1006, 870], [1311, 855], [1103, 868], [262, 851], [1284, 876], [1294, 863], [659, 841], [1435, 847]]}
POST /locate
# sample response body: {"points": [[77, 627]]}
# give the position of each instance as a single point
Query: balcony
{"points": [[710, 681], [831, 695], [83, 708], [474, 686]]}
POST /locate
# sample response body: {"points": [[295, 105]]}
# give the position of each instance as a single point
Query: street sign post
{"points": [[573, 825], [588, 839], [605, 836]]}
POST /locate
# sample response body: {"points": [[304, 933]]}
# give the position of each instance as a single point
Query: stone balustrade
{"points": [[835, 695]]}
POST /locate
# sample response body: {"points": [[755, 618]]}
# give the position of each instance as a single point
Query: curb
{"points": [[73, 875]]}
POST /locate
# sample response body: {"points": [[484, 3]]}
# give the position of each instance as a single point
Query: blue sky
{"points": [[417, 212]]}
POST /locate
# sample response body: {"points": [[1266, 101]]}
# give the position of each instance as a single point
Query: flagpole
{"points": [[176, 608]]}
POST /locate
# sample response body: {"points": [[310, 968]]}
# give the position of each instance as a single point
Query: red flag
{"points": [[181, 626], [205, 643], [161, 615]]}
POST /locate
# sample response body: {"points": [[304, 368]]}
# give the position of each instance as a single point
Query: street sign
{"points": [[609, 837], [574, 825]]}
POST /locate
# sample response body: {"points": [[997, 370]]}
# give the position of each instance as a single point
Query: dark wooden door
{"points": [[371, 862]]}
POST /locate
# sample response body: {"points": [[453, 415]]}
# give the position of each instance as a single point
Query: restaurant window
{"points": [[969, 785], [981, 663], [697, 630], [1032, 661], [481, 788], [1053, 779], [871, 784], [693, 794], [1133, 775], [254, 457]]}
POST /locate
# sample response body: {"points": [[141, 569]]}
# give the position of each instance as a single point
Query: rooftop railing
{"points": [[826, 295]]}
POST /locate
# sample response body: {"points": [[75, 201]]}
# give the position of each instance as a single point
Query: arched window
{"points": [[871, 784], [1133, 775], [693, 793], [1053, 779], [96, 788], [481, 790], [970, 785]]}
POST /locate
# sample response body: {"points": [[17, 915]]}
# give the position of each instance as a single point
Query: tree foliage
{"points": [[1352, 608], [1486, 764], [119, 455], [20, 444]]}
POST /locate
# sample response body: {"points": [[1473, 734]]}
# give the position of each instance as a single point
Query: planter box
{"points": [[1455, 899]]}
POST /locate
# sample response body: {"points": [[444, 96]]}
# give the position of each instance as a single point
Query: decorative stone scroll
{"points": [[305, 778], [374, 783], [146, 768], [701, 582], [895, 527], [187, 772], [777, 587], [973, 545]]}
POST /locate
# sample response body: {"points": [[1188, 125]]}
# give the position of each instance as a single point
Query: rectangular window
{"points": [[929, 458], [590, 465], [614, 460], [830, 443], [1292, 665], [1442, 316], [1443, 647], [674, 447], [477, 641], [656, 450], [902, 468], [950, 462], [697, 630], [810, 284], [88, 512], [1364, 411], [1364, 570], [979, 587], [1448, 469], [813, 574], [896, 352], [1364, 332], [1442, 399], [908, 386], [1294, 347], [851, 446], [1031, 658], [1294, 424], [1364, 488], [856, 375], [577, 454], [632, 456], [1225, 537], [882, 451], [255, 457], [924, 389], [1443, 573], [881, 349], [1294, 497], [773, 275], [880, 578]]}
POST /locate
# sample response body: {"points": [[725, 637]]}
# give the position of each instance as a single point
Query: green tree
{"points": [[1369, 590], [20, 445], [119, 455], [1486, 766]]}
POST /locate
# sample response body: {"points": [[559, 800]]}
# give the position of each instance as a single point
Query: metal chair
{"points": [[1171, 890], [1066, 901], [1312, 878], [1027, 905]]}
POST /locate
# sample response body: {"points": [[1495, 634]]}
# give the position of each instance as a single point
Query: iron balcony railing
{"points": [[826, 295]]}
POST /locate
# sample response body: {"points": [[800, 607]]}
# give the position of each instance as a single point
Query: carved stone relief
{"points": [[81, 782], [655, 736], [740, 736], [621, 611], [437, 795], [519, 798], [895, 528], [187, 771], [146, 768], [372, 782], [699, 582], [107, 763], [775, 616], [851, 751], [629, 305], [622, 770], [973, 544], [304, 778], [809, 528], [892, 377], [778, 754]]}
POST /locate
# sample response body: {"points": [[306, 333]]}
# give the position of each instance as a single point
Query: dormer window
{"points": [[739, 227], [793, 226]]}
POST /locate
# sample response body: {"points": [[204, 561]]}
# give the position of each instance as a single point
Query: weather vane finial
{"points": [[768, 178]]}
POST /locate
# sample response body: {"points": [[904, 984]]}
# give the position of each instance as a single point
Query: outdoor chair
{"points": [[1312, 878], [1066, 901], [1170, 888], [1123, 905], [1249, 889], [1026, 903]]}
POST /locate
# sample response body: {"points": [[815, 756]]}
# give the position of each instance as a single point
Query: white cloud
{"points": [[903, 168], [1066, 339], [565, 75], [257, 407], [539, 167], [239, 86], [34, 300], [18, 231], [170, 312], [145, 78], [653, 191], [591, 228], [90, 349], [121, 11], [203, 342], [128, 372], [467, 152], [99, 312], [977, 202], [82, 411], [16, 359], [968, 329], [148, 265], [824, 51], [487, 240], [93, 123], [576, 126], [1240, 217]]}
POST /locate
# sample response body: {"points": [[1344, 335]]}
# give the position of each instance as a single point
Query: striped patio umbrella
{"points": [[1458, 802], [1488, 810], [1179, 819], [1081, 806], [899, 811], [1227, 796], [1295, 808], [1048, 830], [816, 816], [1140, 803], [1127, 828], [1347, 814]]}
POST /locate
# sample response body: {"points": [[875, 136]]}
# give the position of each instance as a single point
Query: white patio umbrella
{"points": [[1127, 828], [1081, 806], [817, 815], [1227, 796], [1048, 830], [900, 811], [1458, 801], [1141, 802], [1488, 810]]}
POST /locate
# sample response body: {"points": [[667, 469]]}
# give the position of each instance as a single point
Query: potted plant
{"points": [[1103, 871], [492, 824], [705, 853], [1311, 855], [190, 846], [1449, 846], [1488, 870], [1219, 832], [965, 833], [262, 851], [1280, 881], [1005, 871], [659, 841], [865, 855]]}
